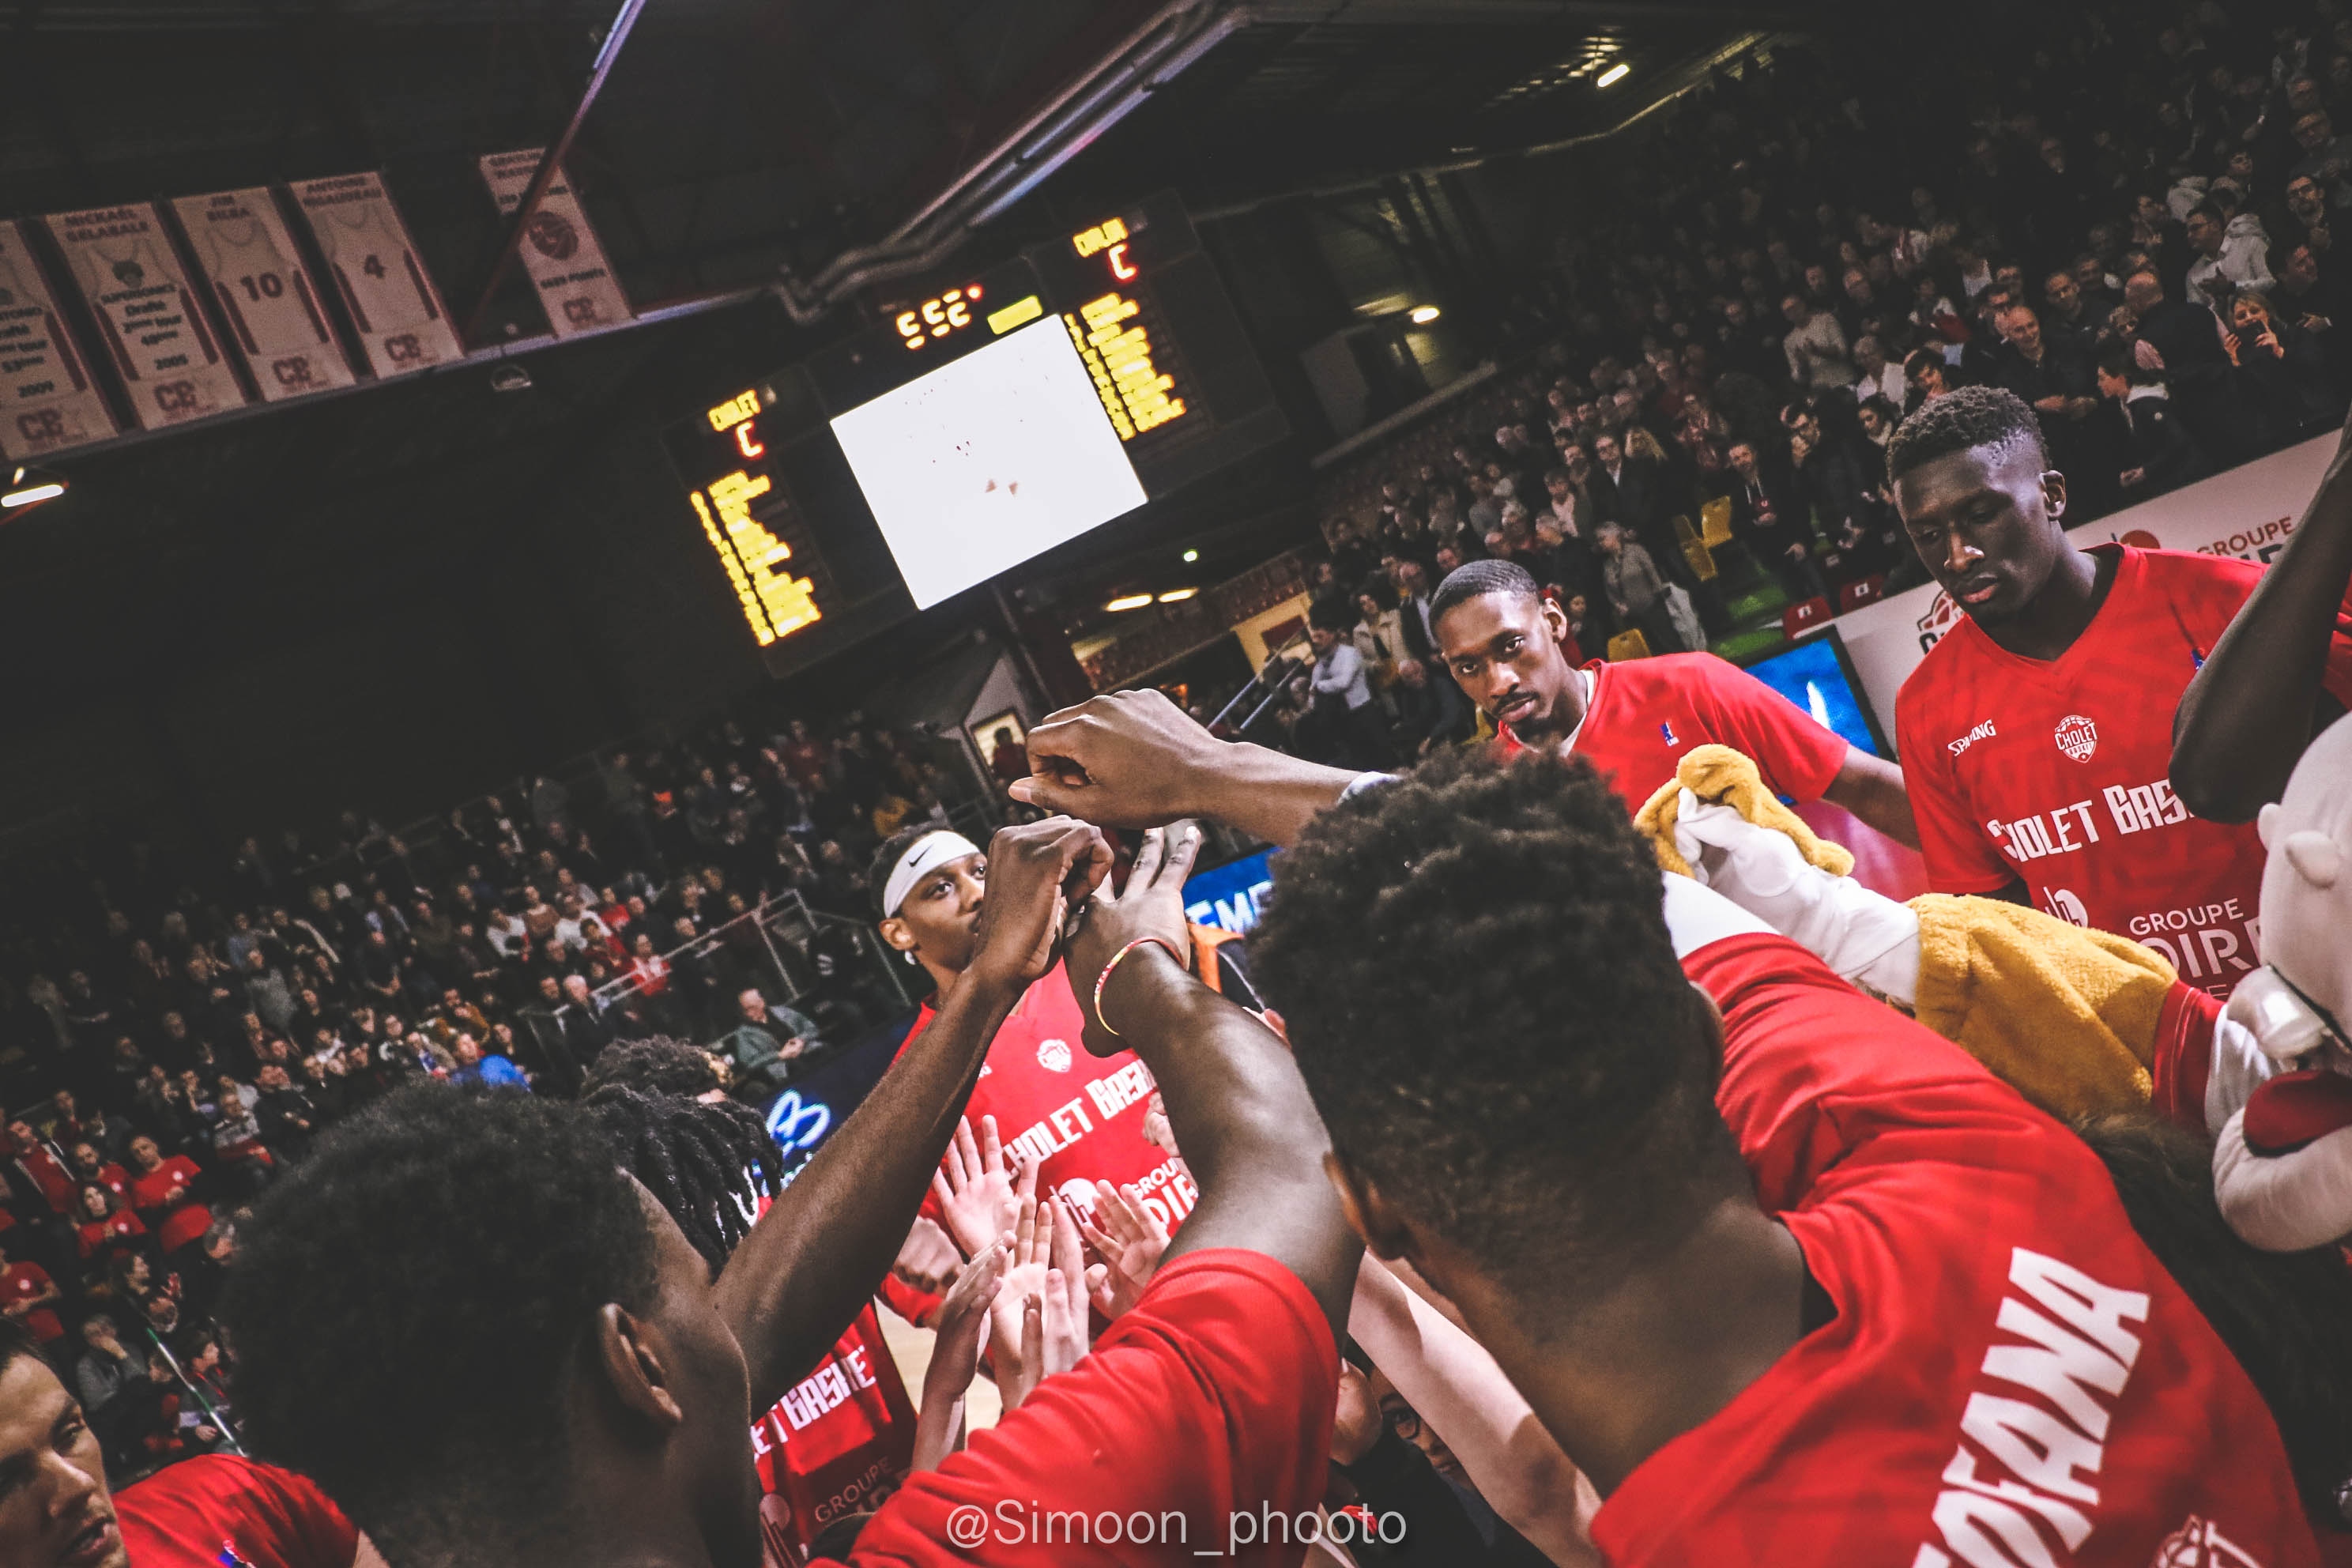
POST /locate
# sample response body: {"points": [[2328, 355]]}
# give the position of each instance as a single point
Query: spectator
{"points": [[1346, 717], [2230, 252], [2164, 455], [762, 1064], [1815, 346], [2285, 365], [1637, 592]]}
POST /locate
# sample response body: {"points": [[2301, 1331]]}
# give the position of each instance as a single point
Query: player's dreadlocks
{"points": [[655, 1065], [2281, 1314], [707, 1162]]}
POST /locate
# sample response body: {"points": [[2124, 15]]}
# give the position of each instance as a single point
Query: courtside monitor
{"points": [[1817, 674], [989, 460]]}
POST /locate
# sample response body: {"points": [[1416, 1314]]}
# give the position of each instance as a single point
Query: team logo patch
{"points": [[2077, 737], [2199, 1543], [1668, 731], [2066, 906], [1054, 1056]]}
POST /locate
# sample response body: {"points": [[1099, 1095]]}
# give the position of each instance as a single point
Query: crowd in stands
{"points": [[179, 1039], [2130, 226], [2132, 234]]}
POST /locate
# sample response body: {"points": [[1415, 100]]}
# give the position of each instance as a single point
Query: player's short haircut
{"points": [[16, 1341], [409, 1301], [1962, 419], [1477, 579], [1480, 995]]}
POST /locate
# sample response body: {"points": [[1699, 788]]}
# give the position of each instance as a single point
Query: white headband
{"points": [[923, 857]]}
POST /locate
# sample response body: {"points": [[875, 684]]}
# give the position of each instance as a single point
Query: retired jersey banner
{"points": [[559, 251], [47, 400], [2247, 512], [378, 274], [121, 260], [265, 293]]}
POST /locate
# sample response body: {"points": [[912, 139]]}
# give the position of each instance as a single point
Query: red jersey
{"points": [[2011, 1376], [2056, 772], [22, 1283], [115, 1180], [1646, 713], [161, 1195], [48, 1175], [843, 1436], [1080, 1116], [1199, 1426], [219, 1509], [115, 1232]]}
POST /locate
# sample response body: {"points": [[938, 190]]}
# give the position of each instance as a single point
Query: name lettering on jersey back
{"points": [[833, 1385], [2022, 1485]]}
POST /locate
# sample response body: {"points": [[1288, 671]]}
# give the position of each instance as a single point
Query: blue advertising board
{"points": [[1228, 896]]}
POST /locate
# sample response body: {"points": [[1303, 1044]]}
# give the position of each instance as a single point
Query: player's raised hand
{"points": [[1129, 1240], [979, 1191], [1035, 871], [1128, 759], [1151, 908]]}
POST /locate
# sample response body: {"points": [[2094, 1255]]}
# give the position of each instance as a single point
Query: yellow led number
{"points": [[935, 319]]}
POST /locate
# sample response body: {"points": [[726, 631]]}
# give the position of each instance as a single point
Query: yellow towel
{"points": [[2067, 1015], [1722, 776]]}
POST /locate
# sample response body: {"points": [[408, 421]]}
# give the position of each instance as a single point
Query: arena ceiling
{"points": [[735, 141]]}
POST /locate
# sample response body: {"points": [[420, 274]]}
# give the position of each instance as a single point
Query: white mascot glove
{"points": [[1864, 936], [2285, 1202]]}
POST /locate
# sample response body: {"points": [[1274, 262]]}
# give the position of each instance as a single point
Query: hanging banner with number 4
{"points": [[275, 319], [378, 274]]}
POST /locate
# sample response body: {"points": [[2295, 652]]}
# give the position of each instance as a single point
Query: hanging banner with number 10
{"points": [[275, 319], [378, 274]]}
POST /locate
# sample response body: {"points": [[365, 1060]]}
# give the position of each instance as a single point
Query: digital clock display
{"points": [[936, 318]]}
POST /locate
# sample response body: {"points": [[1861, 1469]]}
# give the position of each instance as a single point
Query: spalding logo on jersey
{"points": [[2077, 737], [1054, 1056], [2067, 907]]}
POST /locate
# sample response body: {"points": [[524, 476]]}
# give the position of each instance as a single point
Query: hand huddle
{"points": [[1034, 1267]]}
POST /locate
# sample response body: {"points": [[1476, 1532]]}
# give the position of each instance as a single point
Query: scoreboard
{"points": [[1003, 412]]}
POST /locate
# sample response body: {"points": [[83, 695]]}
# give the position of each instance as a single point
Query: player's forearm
{"points": [[1267, 793], [1455, 1385], [1874, 789], [1241, 1113], [2246, 716], [823, 1246]]}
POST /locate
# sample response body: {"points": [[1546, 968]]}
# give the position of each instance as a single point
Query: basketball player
{"points": [[2037, 736], [1502, 641], [1079, 1118], [553, 1376]]}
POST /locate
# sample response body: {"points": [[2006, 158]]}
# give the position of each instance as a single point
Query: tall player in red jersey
{"points": [[1793, 1280], [2037, 736], [1079, 1118], [1502, 641]]}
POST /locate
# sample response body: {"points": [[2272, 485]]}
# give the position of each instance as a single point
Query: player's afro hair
{"points": [[1473, 966], [1965, 417], [406, 1302], [1478, 578]]}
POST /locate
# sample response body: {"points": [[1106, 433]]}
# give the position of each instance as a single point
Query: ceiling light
{"points": [[30, 486], [1423, 314], [1130, 601], [1191, 556], [1613, 74], [1175, 595]]}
